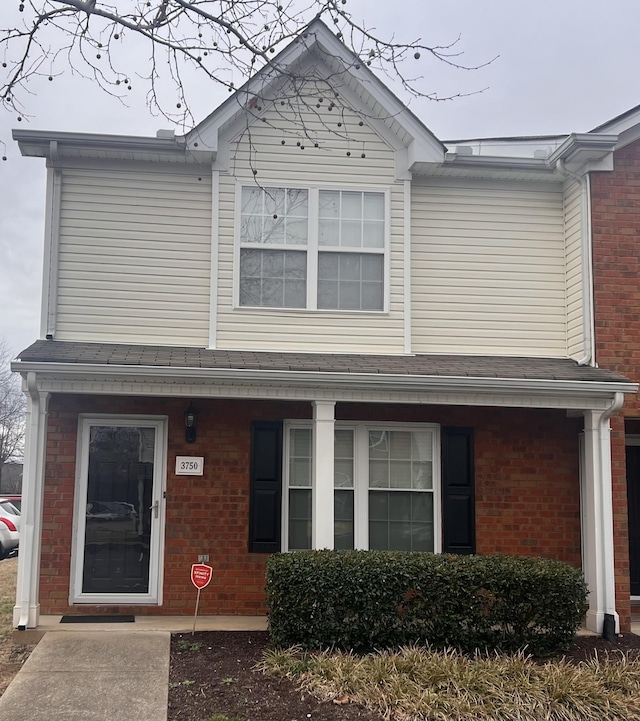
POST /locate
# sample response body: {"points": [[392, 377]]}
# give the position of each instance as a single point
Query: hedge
{"points": [[364, 600]]}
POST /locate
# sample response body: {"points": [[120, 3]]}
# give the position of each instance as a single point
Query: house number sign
{"points": [[189, 465]]}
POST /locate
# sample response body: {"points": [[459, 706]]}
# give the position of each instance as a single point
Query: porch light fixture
{"points": [[190, 420]]}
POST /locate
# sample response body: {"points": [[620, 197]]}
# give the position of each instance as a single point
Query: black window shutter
{"points": [[458, 501], [265, 490]]}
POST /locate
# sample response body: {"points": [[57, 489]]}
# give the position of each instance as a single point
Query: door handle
{"points": [[155, 508]]}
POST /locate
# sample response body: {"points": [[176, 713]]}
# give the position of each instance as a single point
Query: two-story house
{"points": [[309, 323]]}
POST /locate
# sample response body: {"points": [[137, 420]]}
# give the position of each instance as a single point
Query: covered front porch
{"points": [[434, 453]]}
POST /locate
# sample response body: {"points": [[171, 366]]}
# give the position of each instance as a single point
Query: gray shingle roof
{"points": [[52, 351]]}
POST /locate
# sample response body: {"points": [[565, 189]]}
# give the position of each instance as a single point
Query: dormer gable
{"points": [[314, 72]]}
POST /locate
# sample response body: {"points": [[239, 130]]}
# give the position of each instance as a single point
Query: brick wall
{"points": [[615, 217], [527, 496]]}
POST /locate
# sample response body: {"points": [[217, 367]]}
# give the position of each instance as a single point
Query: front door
{"points": [[119, 510], [633, 502]]}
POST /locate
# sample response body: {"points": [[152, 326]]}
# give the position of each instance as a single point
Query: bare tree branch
{"points": [[226, 41], [12, 409]]}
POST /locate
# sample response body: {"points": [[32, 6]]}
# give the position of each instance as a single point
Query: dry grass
{"points": [[12, 655], [445, 686]]}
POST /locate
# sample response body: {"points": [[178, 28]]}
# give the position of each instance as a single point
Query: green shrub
{"points": [[363, 600]]}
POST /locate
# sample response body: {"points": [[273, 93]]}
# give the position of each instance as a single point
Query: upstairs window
{"points": [[312, 248]]}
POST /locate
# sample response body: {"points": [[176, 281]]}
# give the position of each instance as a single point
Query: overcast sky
{"points": [[563, 66]]}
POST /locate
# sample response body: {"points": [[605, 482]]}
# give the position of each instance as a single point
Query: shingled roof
{"points": [[452, 366]]}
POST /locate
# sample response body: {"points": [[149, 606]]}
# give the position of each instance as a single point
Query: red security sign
{"points": [[201, 575]]}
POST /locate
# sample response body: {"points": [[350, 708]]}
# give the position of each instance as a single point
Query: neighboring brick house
{"points": [[250, 346], [615, 218]]}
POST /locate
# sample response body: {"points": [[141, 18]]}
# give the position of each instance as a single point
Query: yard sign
{"points": [[200, 577]]}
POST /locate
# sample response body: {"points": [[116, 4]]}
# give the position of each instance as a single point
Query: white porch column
{"points": [[26, 612], [322, 474], [597, 519]]}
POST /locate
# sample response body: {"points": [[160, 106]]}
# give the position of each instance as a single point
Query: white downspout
{"points": [[607, 509], [587, 262], [408, 315], [26, 611], [597, 524]]}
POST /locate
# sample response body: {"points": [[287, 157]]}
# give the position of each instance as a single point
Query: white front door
{"points": [[119, 510]]}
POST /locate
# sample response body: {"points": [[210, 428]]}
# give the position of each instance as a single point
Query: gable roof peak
{"points": [[319, 56]]}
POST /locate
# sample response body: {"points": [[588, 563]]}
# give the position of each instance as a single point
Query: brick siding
{"points": [[527, 491]]}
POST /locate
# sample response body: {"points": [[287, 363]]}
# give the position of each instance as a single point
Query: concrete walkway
{"points": [[92, 676]]}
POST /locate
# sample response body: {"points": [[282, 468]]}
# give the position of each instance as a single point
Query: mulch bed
{"points": [[212, 673]]}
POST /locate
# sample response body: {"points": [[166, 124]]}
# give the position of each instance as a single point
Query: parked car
{"points": [[16, 500], [9, 527]]}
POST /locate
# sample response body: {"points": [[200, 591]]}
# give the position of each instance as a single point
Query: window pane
{"points": [[274, 215], [328, 294], [273, 278], [343, 459], [400, 521], [329, 204], [351, 205], [373, 234], [379, 474], [372, 268], [250, 292], [300, 457], [372, 296], [400, 474], [329, 232], [299, 520], [251, 229], [272, 293], [273, 230], [297, 203], [374, 206], [301, 442], [351, 268], [351, 233], [378, 444], [349, 295], [272, 265], [274, 201], [400, 444], [252, 201], [296, 232], [343, 520], [295, 294]]}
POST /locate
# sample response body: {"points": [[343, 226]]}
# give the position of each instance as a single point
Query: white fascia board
{"points": [[37, 142], [315, 379]]}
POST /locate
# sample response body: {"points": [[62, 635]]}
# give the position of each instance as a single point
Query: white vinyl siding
{"points": [[573, 236], [326, 167], [488, 268], [135, 256]]}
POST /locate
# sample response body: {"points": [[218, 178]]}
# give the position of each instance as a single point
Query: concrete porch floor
{"points": [[172, 624]]}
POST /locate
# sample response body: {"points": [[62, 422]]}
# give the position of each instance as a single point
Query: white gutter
{"points": [[587, 262], [320, 379]]}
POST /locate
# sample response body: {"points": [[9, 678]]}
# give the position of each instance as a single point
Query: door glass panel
{"points": [[117, 540]]}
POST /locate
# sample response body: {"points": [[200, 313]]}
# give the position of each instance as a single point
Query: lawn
{"points": [[12, 655]]}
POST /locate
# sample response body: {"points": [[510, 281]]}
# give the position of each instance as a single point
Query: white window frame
{"points": [[361, 476], [312, 249], [156, 559]]}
